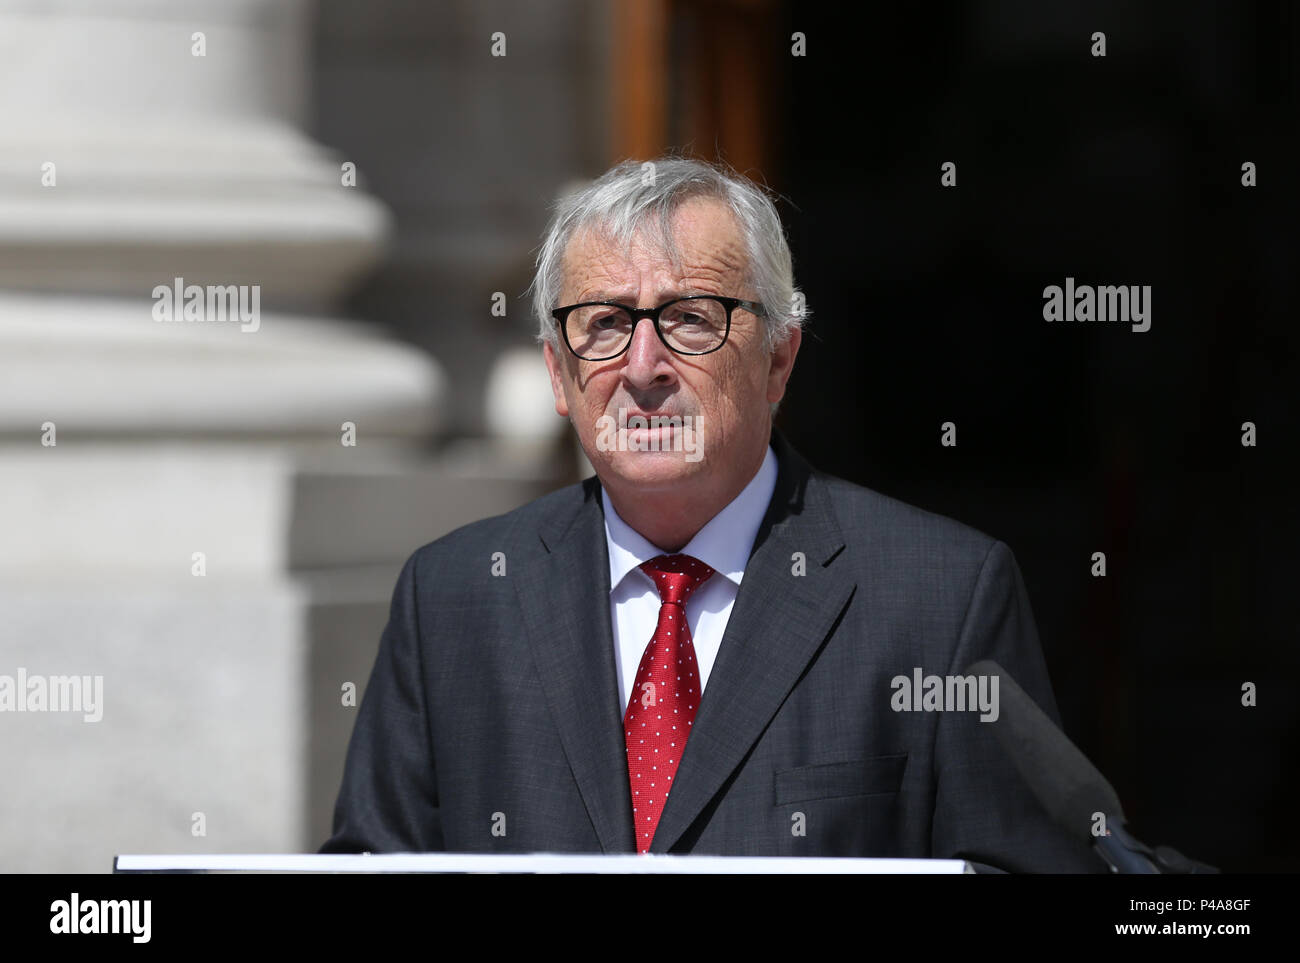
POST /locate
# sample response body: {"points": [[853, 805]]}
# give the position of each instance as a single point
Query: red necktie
{"points": [[663, 703]]}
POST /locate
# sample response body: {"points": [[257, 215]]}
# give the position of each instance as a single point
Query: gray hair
{"points": [[626, 199]]}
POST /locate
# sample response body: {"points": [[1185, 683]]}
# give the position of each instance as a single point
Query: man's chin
{"points": [[649, 469]]}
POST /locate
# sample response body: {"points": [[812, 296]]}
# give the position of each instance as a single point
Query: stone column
{"points": [[183, 514]]}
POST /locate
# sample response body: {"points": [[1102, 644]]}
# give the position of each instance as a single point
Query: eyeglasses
{"points": [[601, 330]]}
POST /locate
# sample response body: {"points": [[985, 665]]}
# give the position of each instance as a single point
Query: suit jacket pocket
{"points": [[855, 777]]}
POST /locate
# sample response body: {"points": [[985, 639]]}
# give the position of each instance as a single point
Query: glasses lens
{"points": [[695, 325], [598, 330]]}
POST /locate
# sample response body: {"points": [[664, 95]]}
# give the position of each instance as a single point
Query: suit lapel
{"points": [[778, 622], [566, 611]]}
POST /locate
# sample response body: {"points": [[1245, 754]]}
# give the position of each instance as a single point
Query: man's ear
{"points": [[783, 356], [557, 380]]}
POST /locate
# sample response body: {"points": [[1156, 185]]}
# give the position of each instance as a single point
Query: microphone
{"points": [[1070, 787]]}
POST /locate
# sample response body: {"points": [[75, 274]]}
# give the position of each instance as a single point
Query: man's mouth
{"points": [[658, 419]]}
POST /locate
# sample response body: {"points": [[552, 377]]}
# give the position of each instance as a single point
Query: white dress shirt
{"points": [[723, 544]]}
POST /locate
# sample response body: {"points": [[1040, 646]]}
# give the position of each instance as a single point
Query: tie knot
{"points": [[676, 576]]}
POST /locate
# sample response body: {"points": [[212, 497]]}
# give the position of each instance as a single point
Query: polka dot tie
{"points": [[661, 707]]}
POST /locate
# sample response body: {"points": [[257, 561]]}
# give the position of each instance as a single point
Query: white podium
{"points": [[542, 863]]}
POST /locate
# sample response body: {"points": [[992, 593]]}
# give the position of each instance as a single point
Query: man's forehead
{"points": [[706, 245]]}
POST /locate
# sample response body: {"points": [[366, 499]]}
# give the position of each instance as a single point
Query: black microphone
{"points": [[1070, 787]]}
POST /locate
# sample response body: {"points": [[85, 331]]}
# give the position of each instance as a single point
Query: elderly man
{"points": [[699, 648]]}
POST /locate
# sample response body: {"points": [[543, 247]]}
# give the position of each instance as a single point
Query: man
{"points": [[698, 649]]}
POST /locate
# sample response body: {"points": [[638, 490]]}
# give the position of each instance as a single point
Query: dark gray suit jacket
{"points": [[491, 720]]}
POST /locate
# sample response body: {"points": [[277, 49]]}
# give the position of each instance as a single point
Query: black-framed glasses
{"points": [[601, 330]]}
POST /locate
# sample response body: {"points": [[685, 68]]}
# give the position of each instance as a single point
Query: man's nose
{"points": [[648, 358]]}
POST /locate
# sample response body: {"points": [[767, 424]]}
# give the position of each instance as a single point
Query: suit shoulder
{"points": [[901, 531], [509, 530]]}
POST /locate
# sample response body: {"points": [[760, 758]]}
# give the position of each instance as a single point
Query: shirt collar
{"points": [[723, 544]]}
